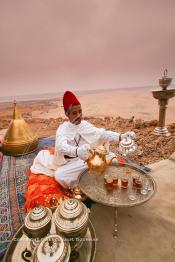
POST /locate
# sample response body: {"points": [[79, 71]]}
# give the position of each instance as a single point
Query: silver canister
{"points": [[52, 248], [37, 223], [71, 221]]}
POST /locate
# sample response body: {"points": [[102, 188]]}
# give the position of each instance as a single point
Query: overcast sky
{"points": [[54, 45]]}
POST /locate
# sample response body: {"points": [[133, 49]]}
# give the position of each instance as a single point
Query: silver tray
{"points": [[92, 185], [19, 248]]}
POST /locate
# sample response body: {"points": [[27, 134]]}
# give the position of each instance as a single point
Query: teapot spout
{"points": [[91, 154], [110, 160]]}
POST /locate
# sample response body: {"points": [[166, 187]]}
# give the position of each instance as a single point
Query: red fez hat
{"points": [[69, 99]]}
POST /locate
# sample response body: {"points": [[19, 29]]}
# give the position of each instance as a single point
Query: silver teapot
{"points": [[52, 248], [127, 145]]}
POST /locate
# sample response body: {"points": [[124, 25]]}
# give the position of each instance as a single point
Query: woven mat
{"points": [[13, 175]]}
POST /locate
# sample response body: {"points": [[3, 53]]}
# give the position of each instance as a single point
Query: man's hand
{"points": [[83, 151], [131, 134]]}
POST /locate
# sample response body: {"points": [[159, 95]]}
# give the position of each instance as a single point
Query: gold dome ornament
{"points": [[19, 139]]}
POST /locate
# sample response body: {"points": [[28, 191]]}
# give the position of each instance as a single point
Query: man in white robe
{"points": [[74, 139]]}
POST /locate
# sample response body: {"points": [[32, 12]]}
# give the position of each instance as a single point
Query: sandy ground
{"points": [[123, 102]]}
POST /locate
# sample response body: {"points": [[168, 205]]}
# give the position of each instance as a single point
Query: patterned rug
{"points": [[13, 175]]}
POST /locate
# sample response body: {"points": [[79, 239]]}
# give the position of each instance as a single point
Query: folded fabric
{"points": [[43, 163], [43, 190]]}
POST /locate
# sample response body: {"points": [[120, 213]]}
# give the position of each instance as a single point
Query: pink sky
{"points": [[54, 45]]}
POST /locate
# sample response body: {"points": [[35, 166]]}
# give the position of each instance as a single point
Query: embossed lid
{"points": [[52, 249], [70, 209], [72, 214], [38, 218], [127, 141]]}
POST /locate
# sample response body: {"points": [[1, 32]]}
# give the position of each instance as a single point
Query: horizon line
{"points": [[59, 94]]}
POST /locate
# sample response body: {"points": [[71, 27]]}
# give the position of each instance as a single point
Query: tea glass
{"points": [[131, 189], [115, 180], [124, 181], [109, 183], [132, 193], [134, 178], [146, 186]]}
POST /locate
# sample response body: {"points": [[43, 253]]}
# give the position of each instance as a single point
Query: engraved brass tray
{"points": [[92, 185], [19, 248]]}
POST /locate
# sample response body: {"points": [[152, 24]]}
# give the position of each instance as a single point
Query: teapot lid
{"points": [[101, 150], [38, 217], [126, 141], [52, 249]]}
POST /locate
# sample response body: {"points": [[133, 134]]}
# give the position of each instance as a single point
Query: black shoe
{"points": [[88, 203]]}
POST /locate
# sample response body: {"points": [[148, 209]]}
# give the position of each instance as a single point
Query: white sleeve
{"points": [[109, 136], [105, 135], [63, 147]]}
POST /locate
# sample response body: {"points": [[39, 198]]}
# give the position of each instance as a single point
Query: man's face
{"points": [[75, 115]]}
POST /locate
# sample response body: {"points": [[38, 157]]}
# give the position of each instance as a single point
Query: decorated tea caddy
{"points": [[71, 221], [37, 223]]}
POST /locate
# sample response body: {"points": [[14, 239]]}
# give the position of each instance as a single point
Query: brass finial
{"points": [[16, 114]]}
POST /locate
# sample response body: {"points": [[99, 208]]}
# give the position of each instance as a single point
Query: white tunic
{"points": [[68, 137]]}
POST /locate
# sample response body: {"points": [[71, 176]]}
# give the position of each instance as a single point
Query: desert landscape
{"points": [[111, 55], [118, 110]]}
